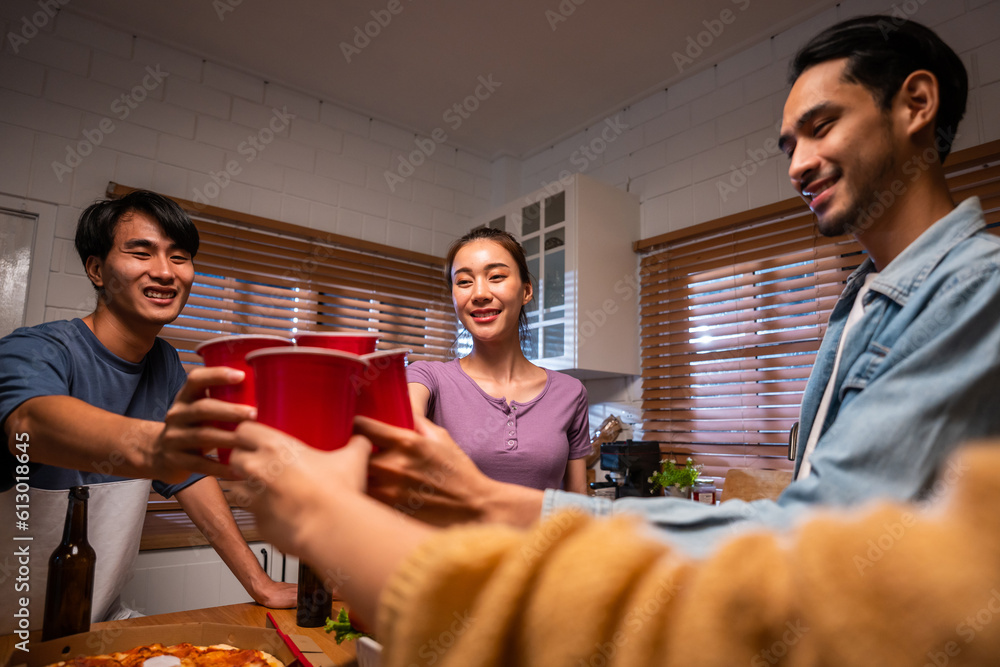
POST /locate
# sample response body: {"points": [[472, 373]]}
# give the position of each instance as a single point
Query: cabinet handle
{"points": [[263, 552]]}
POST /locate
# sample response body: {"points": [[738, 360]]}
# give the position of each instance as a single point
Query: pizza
{"points": [[179, 655]]}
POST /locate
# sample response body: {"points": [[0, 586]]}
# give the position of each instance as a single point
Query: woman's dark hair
{"points": [[882, 51], [95, 233], [506, 241]]}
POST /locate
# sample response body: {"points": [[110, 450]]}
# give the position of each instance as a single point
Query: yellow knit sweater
{"points": [[892, 585]]}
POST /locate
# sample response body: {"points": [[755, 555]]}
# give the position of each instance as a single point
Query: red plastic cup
{"points": [[355, 343], [231, 351], [308, 393], [382, 390]]}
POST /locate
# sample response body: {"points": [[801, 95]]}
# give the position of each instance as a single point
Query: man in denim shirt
{"points": [[910, 365]]}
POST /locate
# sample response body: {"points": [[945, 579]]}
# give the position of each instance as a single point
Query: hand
{"points": [[286, 479], [276, 595], [423, 474], [186, 435]]}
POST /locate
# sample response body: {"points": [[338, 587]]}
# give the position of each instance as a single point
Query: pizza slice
{"points": [[179, 655]]}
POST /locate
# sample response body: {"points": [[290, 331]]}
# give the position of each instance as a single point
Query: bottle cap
{"points": [[80, 492]]}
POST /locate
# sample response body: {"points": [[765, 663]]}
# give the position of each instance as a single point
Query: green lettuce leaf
{"points": [[343, 628]]}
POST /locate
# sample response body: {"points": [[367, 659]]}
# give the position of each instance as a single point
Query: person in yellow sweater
{"points": [[882, 585]]}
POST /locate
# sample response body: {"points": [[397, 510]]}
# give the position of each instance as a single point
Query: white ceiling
{"points": [[601, 55]]}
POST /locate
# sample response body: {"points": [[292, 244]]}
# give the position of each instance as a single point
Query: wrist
{"points": [[262, 587], [510, 504], [138, 447]]}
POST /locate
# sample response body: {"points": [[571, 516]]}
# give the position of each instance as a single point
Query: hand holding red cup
{"points": [[231, 351]]}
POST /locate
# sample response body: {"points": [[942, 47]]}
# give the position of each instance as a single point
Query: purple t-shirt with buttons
{"points": [[522, 443]]}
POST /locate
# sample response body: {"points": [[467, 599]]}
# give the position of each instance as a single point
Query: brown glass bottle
{"points": [[69, 590], [315, 602]]}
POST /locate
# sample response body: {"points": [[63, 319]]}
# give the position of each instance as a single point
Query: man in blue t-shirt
{"points": [[103, 402]]}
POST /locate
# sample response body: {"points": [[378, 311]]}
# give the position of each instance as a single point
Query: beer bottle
{"points": [[69, 590], [314, 603]]}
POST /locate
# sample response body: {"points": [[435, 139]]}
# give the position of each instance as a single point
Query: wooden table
{"points": [[248, 614]]}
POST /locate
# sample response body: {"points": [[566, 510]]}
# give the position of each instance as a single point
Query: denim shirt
{"points": [[919, 375]]}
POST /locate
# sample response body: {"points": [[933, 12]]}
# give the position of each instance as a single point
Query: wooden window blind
{"points": [[732, 313], [255, 275]]}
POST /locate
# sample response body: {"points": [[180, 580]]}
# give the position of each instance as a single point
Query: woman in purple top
{"points": [[519, 423]]}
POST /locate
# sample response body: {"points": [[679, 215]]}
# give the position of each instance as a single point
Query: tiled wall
{"points": [[82, 104], [684, 148]]}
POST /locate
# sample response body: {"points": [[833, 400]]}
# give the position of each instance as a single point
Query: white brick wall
{"points": [[197, 97], [15, 168], [325, 169], [21, 75], [56, 53], [76, 28], [235, 83], [700, 128]]}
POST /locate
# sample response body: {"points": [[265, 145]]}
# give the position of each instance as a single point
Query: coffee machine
{"points": [[629, 465]]}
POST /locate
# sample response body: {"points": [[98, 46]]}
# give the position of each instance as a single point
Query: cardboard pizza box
{"points": [[110, 640]]}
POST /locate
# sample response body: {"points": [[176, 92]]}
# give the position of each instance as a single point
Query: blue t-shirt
{"points": [[65, 358]]}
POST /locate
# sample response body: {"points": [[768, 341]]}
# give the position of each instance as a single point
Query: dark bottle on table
{"points": [[69, 590], [314, 603]]}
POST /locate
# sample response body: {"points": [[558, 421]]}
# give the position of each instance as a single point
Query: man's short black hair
{"points": [[95, 233], [882, 51]]}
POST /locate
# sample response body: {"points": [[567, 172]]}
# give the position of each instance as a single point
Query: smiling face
{"points": [[146, 278], [841, 146], [487, 291]]}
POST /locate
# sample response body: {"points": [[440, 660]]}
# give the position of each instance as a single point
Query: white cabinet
{"points": [[578, 235], [168, 580]]}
